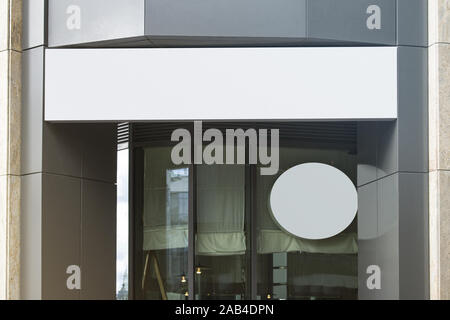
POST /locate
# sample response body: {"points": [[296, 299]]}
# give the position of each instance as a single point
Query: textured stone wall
{"points": [[10, 124], [439, 141]]}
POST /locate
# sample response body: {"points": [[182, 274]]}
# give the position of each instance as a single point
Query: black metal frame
{"points": [[192, 225], [131, 215]]}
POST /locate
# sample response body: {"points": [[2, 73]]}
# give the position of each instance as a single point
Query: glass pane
{"points": [[294, 268], [122, 226], [165, 227], [221, 239]]}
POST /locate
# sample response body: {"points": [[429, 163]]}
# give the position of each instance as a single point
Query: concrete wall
{"points": [[439, 152], [10, 140]]}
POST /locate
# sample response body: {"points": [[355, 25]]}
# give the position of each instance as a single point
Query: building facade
{"points": [[358, 85]]}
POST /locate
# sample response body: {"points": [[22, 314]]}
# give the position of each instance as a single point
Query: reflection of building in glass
{"points": [[123, 292]]}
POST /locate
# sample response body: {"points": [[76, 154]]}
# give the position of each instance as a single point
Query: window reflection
{"points": [[165, 227], [122, 225]]}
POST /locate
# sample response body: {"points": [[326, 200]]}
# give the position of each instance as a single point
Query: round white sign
{"points": [[314, 201]]}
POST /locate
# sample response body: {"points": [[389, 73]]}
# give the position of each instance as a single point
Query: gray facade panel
{"points": [[31, 237], [99, 154], [352, 20], [61, 238], [367, 152], [80, 150], [367, 254], [169, 23], [413, 228], [98, 241], [398, 206], [32, 110], [379, 213], [412, 22], [412, 109], [83, 21], [63, 149], [388, 236], [367, 213], [34, 23], [231, 18], [401, 145], [387, 148]]}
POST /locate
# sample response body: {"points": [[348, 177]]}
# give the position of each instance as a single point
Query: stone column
{"points": [[439, 147], [10, 140]]}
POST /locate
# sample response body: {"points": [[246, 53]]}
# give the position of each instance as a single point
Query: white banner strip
{"points": [[221, 84]]}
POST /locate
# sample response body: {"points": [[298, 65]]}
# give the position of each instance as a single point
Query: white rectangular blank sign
{"points": [[221, 84]]}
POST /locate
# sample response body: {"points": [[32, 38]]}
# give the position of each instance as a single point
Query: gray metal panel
{"points": [[99, 143], [31, 237], [412, 109], [98, 20], [231, 18], [81, 150], [400, 248], [63, 149], [387, 148], [378, 236], [387, 244], [34, 26], [346, 20], [367, 213], [412, 22], [367, 256], [61, 238], [414, 233], [367, 237], [220, 22], [401, 145], [367, 152], [32, 110], [377, 150], [98, 240]]}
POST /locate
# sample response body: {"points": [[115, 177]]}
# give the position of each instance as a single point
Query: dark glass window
{"points": [[164, 233], [221, 245], [206, 232]]}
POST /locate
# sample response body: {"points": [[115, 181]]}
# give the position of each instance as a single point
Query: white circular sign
{"points": [[314, 201]]}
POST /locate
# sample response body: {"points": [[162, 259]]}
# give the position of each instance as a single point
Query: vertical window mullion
{"points": [[253, 233], [192, 221], [191, 232], [136, 223]]}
